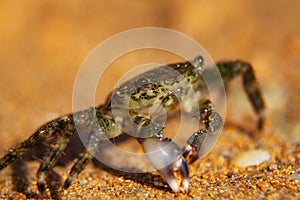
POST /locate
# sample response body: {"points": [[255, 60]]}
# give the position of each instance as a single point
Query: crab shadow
{"points": [[21, 178]]}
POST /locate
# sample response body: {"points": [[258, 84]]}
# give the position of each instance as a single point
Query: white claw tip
{"points": [[186, 183], [173, 185]]}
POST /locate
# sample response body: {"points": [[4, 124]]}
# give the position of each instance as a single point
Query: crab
{"points": [[163, 86]]}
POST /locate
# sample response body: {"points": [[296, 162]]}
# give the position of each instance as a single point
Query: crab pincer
{"points": [[167, 158]]}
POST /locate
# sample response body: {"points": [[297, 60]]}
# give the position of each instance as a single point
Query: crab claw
{"points": [[166, 157]]}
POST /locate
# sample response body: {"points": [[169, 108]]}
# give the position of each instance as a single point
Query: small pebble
{"points": [[252, 157], [82, 182], [295, 176]]}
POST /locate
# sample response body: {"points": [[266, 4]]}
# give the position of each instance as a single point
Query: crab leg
{"points": [[196, 146], [95, 137], [51, 158], [48, 130], [229, 70]]}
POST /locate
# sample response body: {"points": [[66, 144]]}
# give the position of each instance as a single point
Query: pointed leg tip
{"points": [[260, 124], [42, 189], [66, 184]]}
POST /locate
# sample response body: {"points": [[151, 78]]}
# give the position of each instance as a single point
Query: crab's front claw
{"points": [[166, 157]]}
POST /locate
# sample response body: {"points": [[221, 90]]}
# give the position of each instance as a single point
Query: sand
{"points": [[44, 43]]}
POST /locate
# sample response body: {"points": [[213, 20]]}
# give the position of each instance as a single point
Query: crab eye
{"points": [[141, 82], [198, 62]]}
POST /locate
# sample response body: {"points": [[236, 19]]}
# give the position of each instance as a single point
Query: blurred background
{"points": [[43, 43]]}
